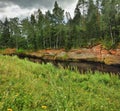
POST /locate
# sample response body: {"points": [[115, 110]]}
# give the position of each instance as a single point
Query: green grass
{"points": [[27, 86]]}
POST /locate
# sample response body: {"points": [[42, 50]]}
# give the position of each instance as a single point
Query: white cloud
{"points": [[71, 8], [13, 10]]}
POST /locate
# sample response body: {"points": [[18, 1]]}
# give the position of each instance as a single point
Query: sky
{"points": [[23, 8]]}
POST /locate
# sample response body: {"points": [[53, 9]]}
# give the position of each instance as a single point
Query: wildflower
{"points": [[44, 107], [9, 109]]}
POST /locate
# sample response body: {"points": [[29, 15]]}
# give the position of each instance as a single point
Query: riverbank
{"points": [[94, 54]]}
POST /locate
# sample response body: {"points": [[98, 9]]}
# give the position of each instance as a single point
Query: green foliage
{"points": [[92, 20], [5, 36], [58, 14], [26, 86], [20, 51], [108, 43]]}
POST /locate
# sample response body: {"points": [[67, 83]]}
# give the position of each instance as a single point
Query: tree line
{"points": [[94, 22]]}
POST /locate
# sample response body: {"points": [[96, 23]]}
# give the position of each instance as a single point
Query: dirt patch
{"points": [[94, 54]]}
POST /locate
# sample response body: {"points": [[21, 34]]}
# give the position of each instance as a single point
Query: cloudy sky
{"points": [[23, 8]]}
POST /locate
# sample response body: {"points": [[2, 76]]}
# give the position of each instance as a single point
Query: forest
{"points": [[84, 38], [94, 22]]}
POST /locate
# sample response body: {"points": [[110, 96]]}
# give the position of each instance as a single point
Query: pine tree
{"points": [[40, 30], [5, 37], [92, 26], [1, 28], [15, 32], [33, 34], [47, 28], [109, 19], [77, 15], [58, 14], [58, 20]]}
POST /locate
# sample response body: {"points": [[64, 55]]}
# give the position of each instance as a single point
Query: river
{"points": [[82, 66]]}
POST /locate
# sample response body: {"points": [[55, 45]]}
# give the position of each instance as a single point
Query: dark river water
{"points": [[83, 66]]}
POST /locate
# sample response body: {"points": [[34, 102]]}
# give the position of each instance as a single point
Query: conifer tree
{"points": [[5, 37]]}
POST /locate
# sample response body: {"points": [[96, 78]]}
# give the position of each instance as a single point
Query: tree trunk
{"points": [[16, 43], [57, 40], [111, 34]]}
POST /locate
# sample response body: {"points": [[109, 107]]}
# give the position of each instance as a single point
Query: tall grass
{"points": [[27, 86]]}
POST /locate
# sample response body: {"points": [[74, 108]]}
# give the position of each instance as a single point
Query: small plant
{"points": [[20, 51], [107, 43]]}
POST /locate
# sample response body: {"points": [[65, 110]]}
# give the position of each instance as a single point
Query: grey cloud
{"points": [[2, 10], [4, 4], [36, 3], [32, 4]]}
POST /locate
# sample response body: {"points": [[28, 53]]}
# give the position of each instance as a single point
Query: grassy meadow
{"points": [[27, 86]]}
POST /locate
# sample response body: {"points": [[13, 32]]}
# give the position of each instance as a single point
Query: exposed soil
{"points": [[95, 58]]}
